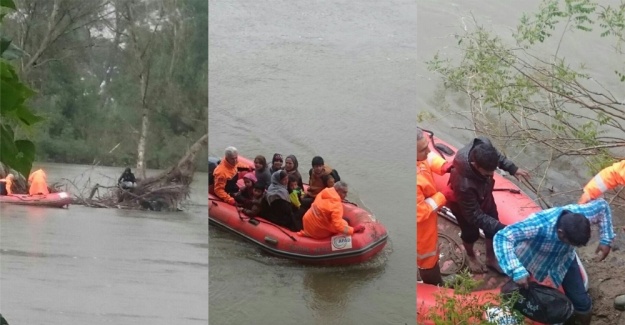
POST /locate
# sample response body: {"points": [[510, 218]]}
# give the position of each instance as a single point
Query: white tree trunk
{"points": [[142, 140]]}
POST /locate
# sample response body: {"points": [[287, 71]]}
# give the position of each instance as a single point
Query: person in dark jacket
{"points": [[470, 197], [276, 163], [256, 204], [263, 176], [277, 203], [127, 180]]}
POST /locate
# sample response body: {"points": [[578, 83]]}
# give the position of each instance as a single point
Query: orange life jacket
{"points": [[325, 216], [38, 185], [428, 201], [316, 183], [605, 180]]}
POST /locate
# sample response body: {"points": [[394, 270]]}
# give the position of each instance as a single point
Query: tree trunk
{"points": [[142, 140]]}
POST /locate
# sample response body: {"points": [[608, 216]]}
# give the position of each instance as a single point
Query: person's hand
{"points": [[521, 172], [524, 282], [447, 167], [359, 228], [602, 252], [585, 198]]}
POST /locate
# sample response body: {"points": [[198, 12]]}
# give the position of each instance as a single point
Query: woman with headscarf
{"points": [[277, 203], [263, 176], [290, 166], [276, 163]]}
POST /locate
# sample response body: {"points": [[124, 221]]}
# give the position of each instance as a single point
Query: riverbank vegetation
{"points": [[523, 91], [116, 82]]}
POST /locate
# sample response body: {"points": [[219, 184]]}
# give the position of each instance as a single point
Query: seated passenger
{"points": [[38, 185], [6, 185], [245, 195], [227, 174], [127, 180], [320, 176], [258, 191], [290, 166], [295, 192], [325, 217], [277, 203], [263, 176], [276, 163]]}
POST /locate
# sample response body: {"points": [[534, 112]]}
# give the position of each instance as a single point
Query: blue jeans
{"points": [[573, 286]]}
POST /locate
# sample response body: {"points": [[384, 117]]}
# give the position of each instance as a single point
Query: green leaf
{"points": [[25, 115], [4, 44], [9, 96], [8, 4]]}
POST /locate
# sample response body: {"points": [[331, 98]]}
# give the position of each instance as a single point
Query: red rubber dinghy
{"points": [[513, 205], [57, 200], [280, 241]]}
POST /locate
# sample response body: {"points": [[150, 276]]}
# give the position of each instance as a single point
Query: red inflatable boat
{"points": [[280, 241], [513, 205], [57, 200]]}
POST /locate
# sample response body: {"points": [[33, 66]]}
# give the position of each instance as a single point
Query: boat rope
{"points": [[456, 247], [257, 219]]}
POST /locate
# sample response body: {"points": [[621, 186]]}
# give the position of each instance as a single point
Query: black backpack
{"points": [[540, 303]]}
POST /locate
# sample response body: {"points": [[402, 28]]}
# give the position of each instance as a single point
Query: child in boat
{"points": [[258, 191], [245, 195], [295, 192]]}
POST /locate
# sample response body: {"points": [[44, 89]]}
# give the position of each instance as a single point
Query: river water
{"points": [[329, 78], [104, 266]]}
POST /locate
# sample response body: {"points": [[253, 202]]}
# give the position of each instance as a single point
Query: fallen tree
{"points": [[162, 192]]}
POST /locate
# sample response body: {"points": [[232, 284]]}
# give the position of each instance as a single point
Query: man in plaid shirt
{"points": [[544, 245]]}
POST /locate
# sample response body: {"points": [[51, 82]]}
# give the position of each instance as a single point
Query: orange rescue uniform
{"points": [[605, 180], [428, 202], [9, 184], [38, 185], [325, 216], [225, 177]]}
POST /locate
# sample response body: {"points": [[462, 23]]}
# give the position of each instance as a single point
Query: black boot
{"points": [[580, 318], [432, 276]]}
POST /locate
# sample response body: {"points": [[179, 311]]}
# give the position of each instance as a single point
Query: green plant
{"points": [[464, 308], [17, 154]]}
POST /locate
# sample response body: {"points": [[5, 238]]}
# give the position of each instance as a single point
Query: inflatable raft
{"points": [[280, 241], [57, 200], [513, 205]]}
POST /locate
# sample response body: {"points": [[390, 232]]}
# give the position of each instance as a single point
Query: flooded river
{"points": [[330, 78], [104, 266]]}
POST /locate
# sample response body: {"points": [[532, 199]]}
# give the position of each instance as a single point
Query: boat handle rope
{"points": [[250, 218]]}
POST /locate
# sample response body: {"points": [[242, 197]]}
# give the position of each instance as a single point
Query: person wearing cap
{"points": [[276, 163], [246, 194]]}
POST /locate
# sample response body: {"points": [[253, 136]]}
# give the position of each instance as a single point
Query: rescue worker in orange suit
{"points": [[429, 200], [226, 176], [38, 185], [7, 185], [325, 217], [605, 180]]}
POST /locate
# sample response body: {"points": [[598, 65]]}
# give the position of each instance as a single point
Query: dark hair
{"points": [[485, 156], [317, 161], [283, 174], [261, 160], [575, 226], [259, 186], [293, 178], [276, 156]]}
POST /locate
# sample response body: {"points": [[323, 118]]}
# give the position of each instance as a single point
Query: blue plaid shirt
{"points": [[533, 245]]}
